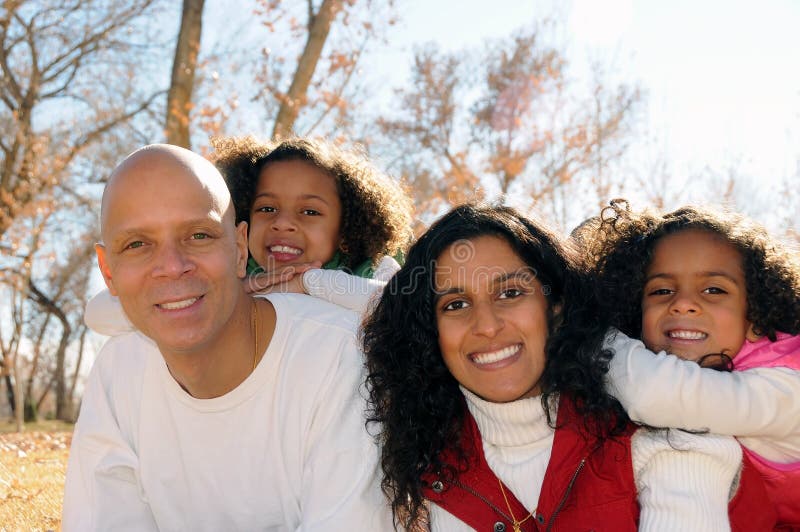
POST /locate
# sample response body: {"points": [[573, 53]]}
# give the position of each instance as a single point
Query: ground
{"points": [[32, 467]]}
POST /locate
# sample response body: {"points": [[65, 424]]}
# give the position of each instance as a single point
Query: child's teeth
{"points": [[687, 335], [284, 249]]}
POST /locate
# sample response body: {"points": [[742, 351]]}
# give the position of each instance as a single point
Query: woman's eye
{"points": [[510, 293], [311, 212], [455, 305]]}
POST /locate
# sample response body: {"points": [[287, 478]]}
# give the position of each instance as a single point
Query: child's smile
{"points": [[695, 300], [296, 215]]}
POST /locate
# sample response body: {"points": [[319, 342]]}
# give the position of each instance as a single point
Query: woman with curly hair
{"points": [[706, 286], [486, 385], [321, 220]]}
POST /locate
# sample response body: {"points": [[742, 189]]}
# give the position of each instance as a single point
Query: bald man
{"points": [[223, 412]]}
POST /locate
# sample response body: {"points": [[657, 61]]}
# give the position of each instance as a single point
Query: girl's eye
{"points": [[510, 293], [714, 290], [455, 305], [660, 292], [266, 208], [310, 212]]}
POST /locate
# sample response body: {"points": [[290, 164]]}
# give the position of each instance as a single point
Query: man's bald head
{"points": [[171, 251], [167, 164]]}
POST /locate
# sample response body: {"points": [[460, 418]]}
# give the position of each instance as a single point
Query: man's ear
{"points": [[751, 334], [241, 250], [102, 261]]}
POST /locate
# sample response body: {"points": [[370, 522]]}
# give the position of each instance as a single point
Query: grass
{"points": [[32, 468]]}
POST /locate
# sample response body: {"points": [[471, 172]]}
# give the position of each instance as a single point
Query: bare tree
{"points": [[179, 97], [314, 86], [51, 55], [319, 25], [513, 127]]}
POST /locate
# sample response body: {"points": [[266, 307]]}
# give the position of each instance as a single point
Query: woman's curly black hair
{"points": [[413, 396], [376, 211], [621, 249]]}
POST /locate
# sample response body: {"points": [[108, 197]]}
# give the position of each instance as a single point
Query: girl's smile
{"points": [[695, 300]]}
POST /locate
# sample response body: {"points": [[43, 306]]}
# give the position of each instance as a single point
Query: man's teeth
{"points": [[687, 335], [285, 249], [175, 305], [496, 356]]}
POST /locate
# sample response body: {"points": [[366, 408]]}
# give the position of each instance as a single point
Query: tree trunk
{"points": [[10, 393], [66, 330], [319, 26], [31, 411], [71, 394], [179, 97]]}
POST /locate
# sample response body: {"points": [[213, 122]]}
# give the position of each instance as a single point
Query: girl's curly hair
{"points": [[413, 396], [376, 211], [621, 250]]}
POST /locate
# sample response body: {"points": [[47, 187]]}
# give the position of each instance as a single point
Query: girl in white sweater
{"points": [[713, 288]]}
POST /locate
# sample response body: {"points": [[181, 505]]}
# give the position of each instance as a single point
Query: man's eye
{"points": [[200, 236], [134, 245]]}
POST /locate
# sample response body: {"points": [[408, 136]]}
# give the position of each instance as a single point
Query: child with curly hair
{"points": [[321, 220], [713, 288]]}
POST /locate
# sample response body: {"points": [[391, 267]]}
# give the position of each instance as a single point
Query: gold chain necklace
{"points": [[254, 332], [516, 525]]}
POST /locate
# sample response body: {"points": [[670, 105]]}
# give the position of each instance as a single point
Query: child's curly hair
{"points": [[621, 250], [376, 211]]}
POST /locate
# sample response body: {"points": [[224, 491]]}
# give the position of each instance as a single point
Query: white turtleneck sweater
{"points": [[684, 483]]}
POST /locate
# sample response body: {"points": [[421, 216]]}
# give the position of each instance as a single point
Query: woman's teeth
{"points": [[496, 356]]}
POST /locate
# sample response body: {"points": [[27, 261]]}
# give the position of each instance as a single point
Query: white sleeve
{"points": [[684, 481], [386, 268], [759, 406], [101, 490], [341, 288], [104, 315], [341, 482]]}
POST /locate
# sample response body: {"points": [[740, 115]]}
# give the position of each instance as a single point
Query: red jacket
{"points": [[781, 480], [588, 485]]}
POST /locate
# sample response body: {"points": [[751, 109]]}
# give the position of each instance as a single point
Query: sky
{"points": [[722, 77]]}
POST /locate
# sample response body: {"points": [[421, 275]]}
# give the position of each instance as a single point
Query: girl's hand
{"points": [[286, 279]]}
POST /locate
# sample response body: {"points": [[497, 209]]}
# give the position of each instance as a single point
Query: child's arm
{"points": [[341, 288], [350, 291], [104, 315], [759, 406]]}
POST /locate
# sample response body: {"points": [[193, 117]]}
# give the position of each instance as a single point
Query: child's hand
{"points": [[286, 279]]}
